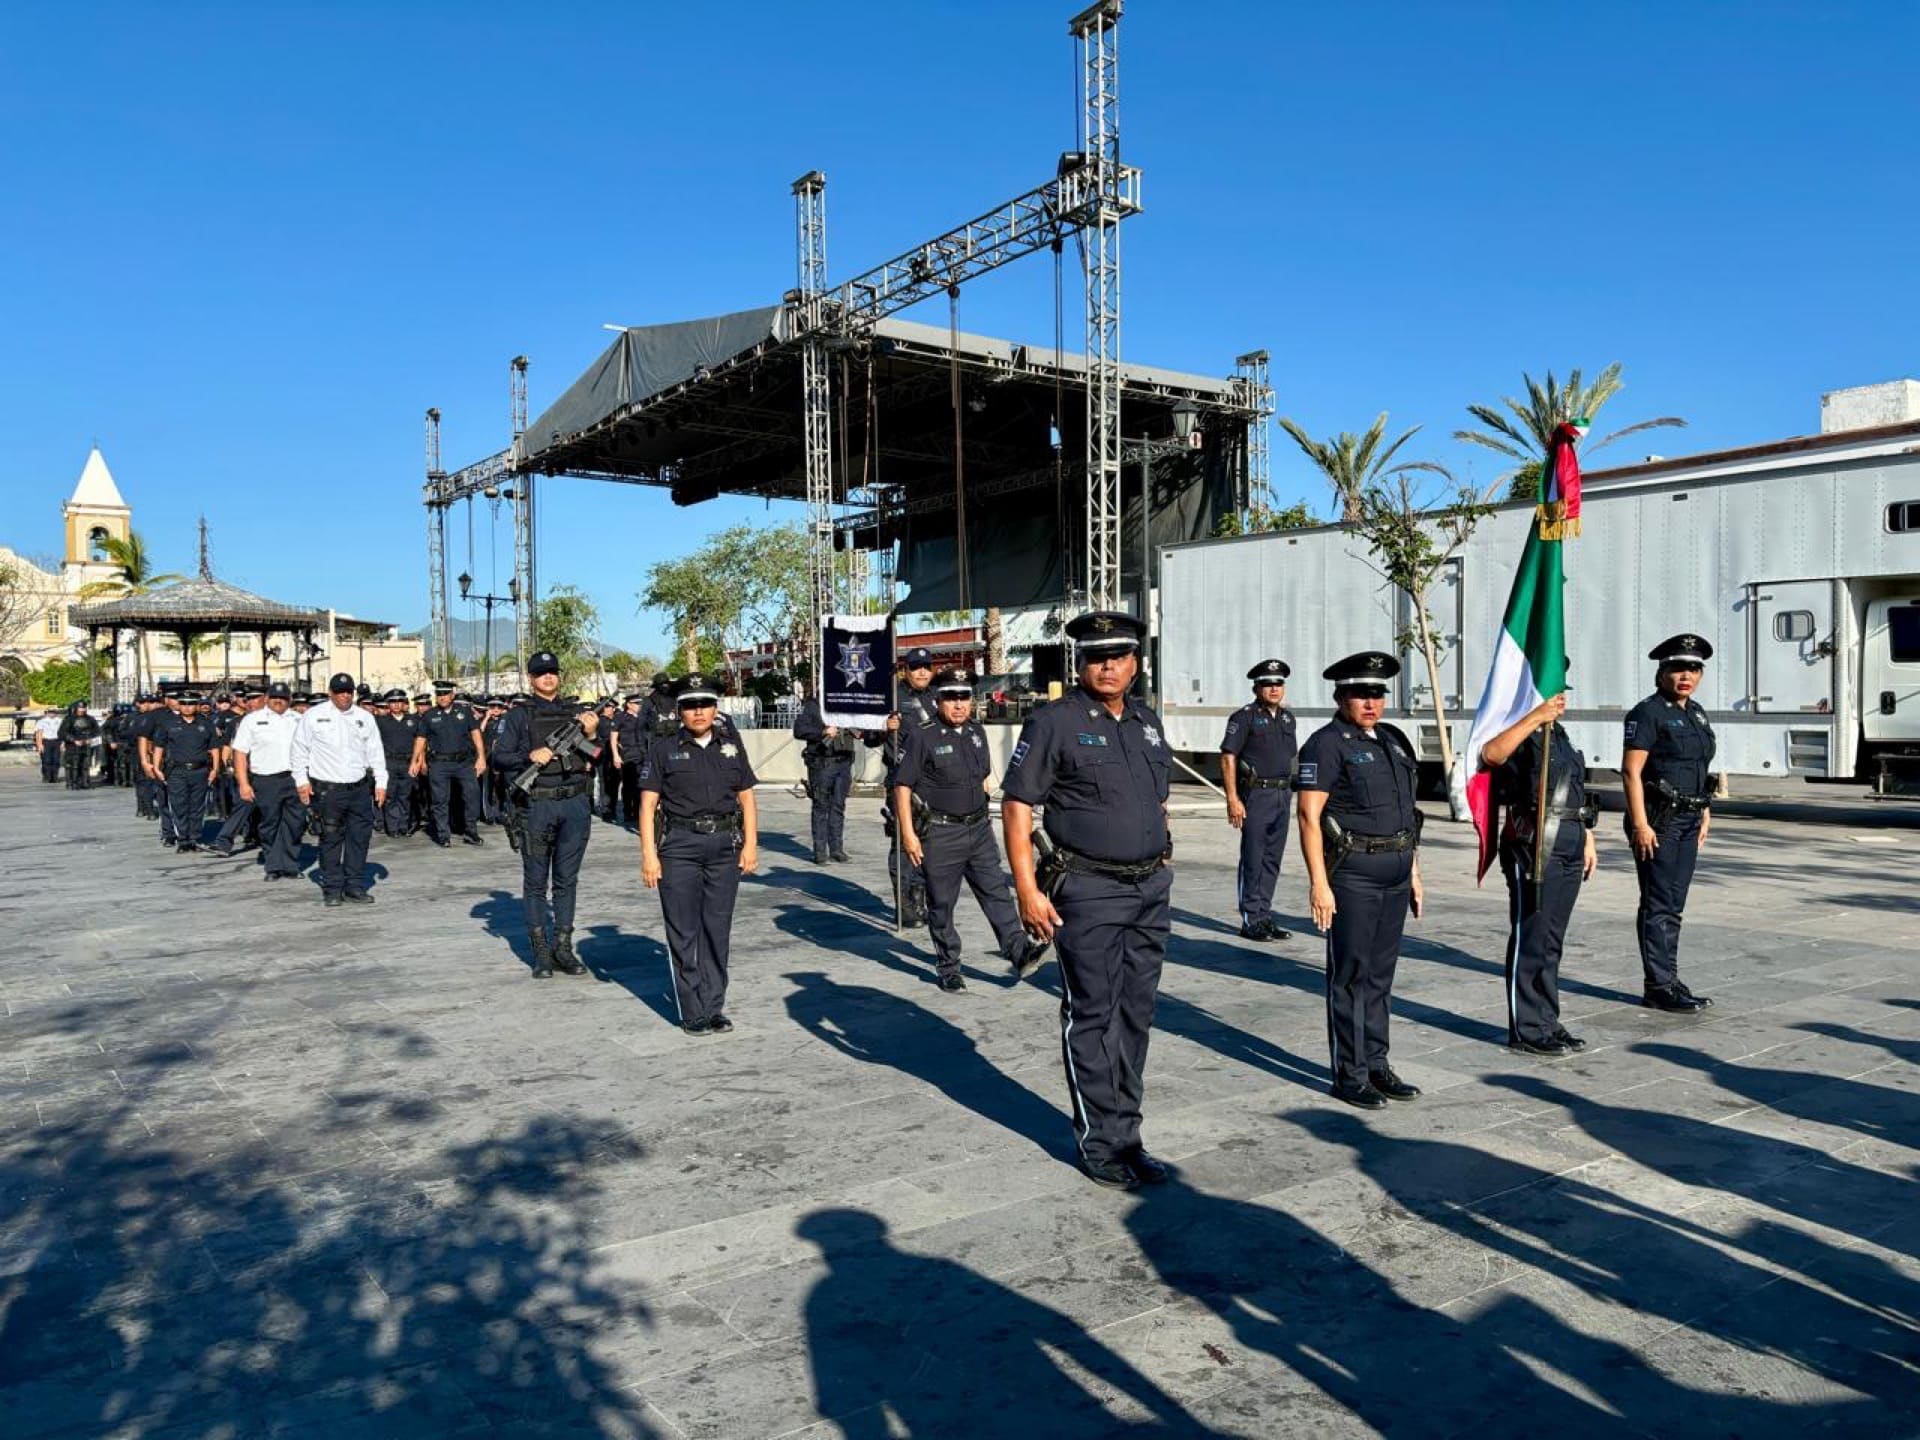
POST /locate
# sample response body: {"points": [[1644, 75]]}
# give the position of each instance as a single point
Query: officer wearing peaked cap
{"points": [[557, 818], [1666, 771], [450, 753], [1096, 760], [1359, 833], [1256, 771], [186, 753], [698, 836], [914, 710], [398, 739]]}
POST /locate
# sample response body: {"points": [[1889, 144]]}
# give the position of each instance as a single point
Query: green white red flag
{"points": [[1530, 653]]}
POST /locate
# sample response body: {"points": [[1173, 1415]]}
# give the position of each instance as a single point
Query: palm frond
{"points": [[1664, 420]]}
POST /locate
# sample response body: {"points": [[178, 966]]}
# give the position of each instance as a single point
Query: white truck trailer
{"points": [[1798, 560]]}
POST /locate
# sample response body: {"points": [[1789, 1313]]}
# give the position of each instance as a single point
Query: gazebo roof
{"points": [[200, 604]]}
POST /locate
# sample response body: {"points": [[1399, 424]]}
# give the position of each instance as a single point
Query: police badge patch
{"points": [[856, 663], [1019, 754], [1153, 735], [729, 750], [1309, 774]]}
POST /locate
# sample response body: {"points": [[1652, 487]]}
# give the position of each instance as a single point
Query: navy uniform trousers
{"points": [[345, 812], [1371, 894], [949, 855], [186, 812], [50, 762], [550, 855], [1537, 929], [79, 767], [396, 816], [282, 821], [699, 880], [443, 776], [1664, 883], [1112, 941], [1263, 841], [830, 782]]}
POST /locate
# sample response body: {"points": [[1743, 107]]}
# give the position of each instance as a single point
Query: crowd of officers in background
{"points": [[1084, 817]]}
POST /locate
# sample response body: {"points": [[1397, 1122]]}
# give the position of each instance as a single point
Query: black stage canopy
{"points": [[711, 407]]}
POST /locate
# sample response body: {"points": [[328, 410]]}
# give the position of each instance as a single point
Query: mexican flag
{"points": [[1530, 655]]}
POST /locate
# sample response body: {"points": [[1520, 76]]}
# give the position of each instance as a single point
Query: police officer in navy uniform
{"points": [[1666, 770], [828, 753], [1540, 906], [186, 754], [1256, 771], [79, 737], [913, 711], [659, 716], [398, 738], [558, 815], [1098, 762], [451, 750], [629, 742], [698, 836], [942, 783], [1358, 772], [147, 711]]}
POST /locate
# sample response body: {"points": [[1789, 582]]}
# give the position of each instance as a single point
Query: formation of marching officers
{"points": [[1084, 822]]}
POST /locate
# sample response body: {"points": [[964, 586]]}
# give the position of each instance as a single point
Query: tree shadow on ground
{"points": [[918, 1345], [214, 1284], [879, 1028]]}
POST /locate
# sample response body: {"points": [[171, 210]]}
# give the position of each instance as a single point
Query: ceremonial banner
{"points": [[1530, 655], [856, 656]]}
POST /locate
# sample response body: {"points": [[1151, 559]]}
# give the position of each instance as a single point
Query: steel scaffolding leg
{"points": [[816, 402], [1252, 371], [439, 627], [527, 617], [1100, 62]]}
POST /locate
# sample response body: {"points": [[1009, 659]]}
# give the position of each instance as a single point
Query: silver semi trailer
{"points": [[1799, 561]]}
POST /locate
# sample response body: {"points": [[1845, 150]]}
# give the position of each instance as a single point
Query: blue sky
{"points": [[247, 245]]}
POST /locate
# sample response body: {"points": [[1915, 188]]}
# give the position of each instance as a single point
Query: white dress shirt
{"points": [[47, 727], [266, 739], [338, 746]]}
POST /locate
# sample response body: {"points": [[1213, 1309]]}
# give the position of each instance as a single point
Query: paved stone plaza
{"points": [[271, 1169]]}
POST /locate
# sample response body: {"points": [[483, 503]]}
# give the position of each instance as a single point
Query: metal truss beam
{"points": [[1251, 370], [816, 404], [438, 625], [1108, 203], [526, 617]]}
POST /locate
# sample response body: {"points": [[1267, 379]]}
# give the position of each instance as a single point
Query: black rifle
{"points": [[570, 739]]}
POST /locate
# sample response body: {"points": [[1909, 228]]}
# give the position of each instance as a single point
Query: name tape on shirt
{"points": [[1083, 738]]}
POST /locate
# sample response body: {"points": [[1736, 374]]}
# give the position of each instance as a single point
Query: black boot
{"points": [[564, 960], [542, 955]]}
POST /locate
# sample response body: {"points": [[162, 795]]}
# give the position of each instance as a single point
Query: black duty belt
{"points": [[1397, 843], [941, 817], [459, 755], [1684, 802], [322, 786], [173, 765], [829, 757], [1265, 784], [566, 790], [731, 823], [1075, 863]]}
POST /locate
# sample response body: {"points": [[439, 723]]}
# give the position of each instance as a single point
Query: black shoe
{"points": [[333, 900], [698, 1027], [358, 897], [1146, 1169], [442, 842], [1274, 932], [1551, 1048], [1113, 1174], [542, 954], [1572, 1042], [842, 857], [1031, 959], [564, 960], [1670, 998], [1702, 1001], [1364, 1097], [952, 984], [471, 839], [720, 1025], [819, 857], [169, 842], [1256, 931], [1391, 1085], [225, 852]]}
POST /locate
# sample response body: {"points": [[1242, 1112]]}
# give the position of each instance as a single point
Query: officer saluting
{"points": [[1097, 762], [942, 778], [449, 746], [1256, 770], [1359, 831], [1665, 769], [557, 817], [698, 836]]}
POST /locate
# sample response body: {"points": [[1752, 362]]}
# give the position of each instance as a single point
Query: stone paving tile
{"points": [[357, 1175]]}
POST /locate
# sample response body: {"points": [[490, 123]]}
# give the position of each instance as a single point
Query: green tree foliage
{"points": [[135, 575], [1525, 484], [61, 682], [1524, 431], [566, 626], [1260, 520], [746, 585], [1352, 463]]}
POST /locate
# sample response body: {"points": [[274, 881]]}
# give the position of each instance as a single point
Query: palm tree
{"points": [[135, 577], [1525, 437], [1354, 463]]}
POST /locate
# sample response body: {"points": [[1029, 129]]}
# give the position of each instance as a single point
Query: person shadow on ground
{"points": [[878, 1028], [904, 1344]]}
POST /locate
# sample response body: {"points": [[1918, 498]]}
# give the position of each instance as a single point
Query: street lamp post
{"points": [[512, 597]]}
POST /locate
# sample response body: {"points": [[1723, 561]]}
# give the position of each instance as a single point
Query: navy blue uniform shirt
{"points": [[1678, 740], [1102, 779], [1517, 782], [397, 734], [186, 741], [944, 766], [449, 731], [694, 779], [1261, 741], [1368, 783]]}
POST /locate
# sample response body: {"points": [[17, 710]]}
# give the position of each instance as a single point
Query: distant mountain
{"points": [[470, 638]]}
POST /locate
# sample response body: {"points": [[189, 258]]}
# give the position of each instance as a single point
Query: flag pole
{"points": [[1540, 817]]}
